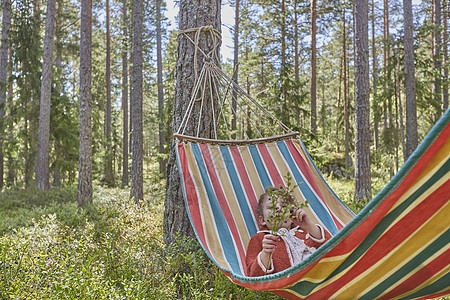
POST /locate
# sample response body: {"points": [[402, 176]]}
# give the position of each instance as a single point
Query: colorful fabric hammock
{"points": [[396, 247]]}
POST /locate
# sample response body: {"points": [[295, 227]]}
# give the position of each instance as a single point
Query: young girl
{"points": [[297, 238]]}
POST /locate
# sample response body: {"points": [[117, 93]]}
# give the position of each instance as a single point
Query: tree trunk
{"points": [[137, 184], [410, 82], [58, 88], [11, 169], [193, 14], [445, 55], [296, 56], [437, 60], [400, 104], [235, 68], [339, 114], [108, 175], [125, 95], [85, 152], [374, 81], [363, 190], [346, 104], [162, 134], [385, 61], [42, 162], [6, 19], [313, 121]]}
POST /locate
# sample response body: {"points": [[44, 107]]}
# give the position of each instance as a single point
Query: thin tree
{"points": [[84, 195], [137, 182], [445, 55], [346, 104], [410, 82], [193, 14], [125, 95], [42, 161], [437, 60], [235, 66], [4, 49], [162, 134], [108, 175], [363, 190], [374, 80], [313, 68]]}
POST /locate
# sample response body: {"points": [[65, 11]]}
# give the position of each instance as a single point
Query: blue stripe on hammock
{"points": [[221, 224], [240, 194], [310, 196], [262, 173]]}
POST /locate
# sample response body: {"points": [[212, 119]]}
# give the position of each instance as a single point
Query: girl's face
{"points": [[268, 215]]}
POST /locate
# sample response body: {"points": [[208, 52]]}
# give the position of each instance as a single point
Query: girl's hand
{"points": [[269, 243], [301, 218]]}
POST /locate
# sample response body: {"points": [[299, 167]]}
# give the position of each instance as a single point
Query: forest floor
{"points": [[51, 249]]}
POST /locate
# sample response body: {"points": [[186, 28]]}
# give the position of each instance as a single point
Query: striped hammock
{"points": [[397, 247]]}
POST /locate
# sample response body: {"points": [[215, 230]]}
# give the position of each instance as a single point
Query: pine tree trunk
{"points": [[58, 88], [85, 152], [339, 114], [11, 170], [296, 56], [313, 121], [348, 162], [6, 19], [363, 190], [410, 82], [437, 55], [162, 134], [125, 95], [137, 182], [235, 67], [108, 175], [42, 162], [193, 14], [400, 106], [374, 82], [445, 55]]}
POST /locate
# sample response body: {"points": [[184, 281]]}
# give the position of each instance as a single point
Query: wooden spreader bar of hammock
{"points": [[194, 139]]}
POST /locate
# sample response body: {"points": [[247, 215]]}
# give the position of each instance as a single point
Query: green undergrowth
{"points": [[113, 249], [51, 249]]}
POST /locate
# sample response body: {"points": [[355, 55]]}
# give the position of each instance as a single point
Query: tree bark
{"points": [[437, 60], [313, 121], [445, 55], [410, 82], [348, 162], [4, 49], [374, 81], [137, 184], [363, 190], [42, 161], [162, 134], [108, 175], [125, 95], [193, 14], [84, 195], [235, 68]]}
